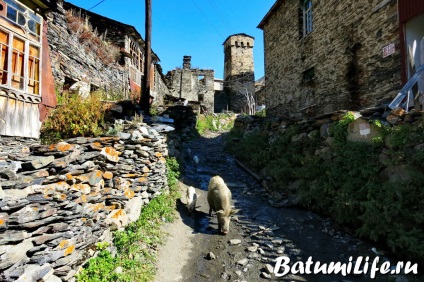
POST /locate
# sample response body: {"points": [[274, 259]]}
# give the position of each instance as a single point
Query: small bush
{"points": [[261, 113], [339, 129], [78, 117]]}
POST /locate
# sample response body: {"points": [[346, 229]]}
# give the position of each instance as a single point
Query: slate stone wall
{"points": [[77, 66], [339, 65], [74, 62], [57, 201]]}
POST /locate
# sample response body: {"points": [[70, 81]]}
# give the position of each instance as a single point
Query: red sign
{"points": [[388, 50]]}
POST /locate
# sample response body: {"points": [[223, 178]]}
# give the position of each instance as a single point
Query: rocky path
{"points": [[258, 235]]}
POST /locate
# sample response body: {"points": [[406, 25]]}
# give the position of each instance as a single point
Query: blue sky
{"points": [[191, 27]]}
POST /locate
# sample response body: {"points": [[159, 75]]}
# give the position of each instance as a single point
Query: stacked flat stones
{"points": [[57, 201]]}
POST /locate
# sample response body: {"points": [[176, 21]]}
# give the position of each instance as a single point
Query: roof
{"points": [[242, 34], [270, 13]]}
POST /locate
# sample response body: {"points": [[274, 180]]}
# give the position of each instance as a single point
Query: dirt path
{"points": [[261, 232]]}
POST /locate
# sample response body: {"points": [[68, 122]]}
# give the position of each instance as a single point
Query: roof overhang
{"points": [[43, 4], [270, 13]]}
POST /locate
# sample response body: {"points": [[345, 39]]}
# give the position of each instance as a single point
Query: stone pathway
{"points": [[258, 235]]}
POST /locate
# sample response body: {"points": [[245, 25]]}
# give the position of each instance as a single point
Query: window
{"points": [[93, 88], [4, 40], [34, 70], [308, 76], [137, 57], [19, 63], [24, 18], [201, 97], [305, 21], [201, 79]]}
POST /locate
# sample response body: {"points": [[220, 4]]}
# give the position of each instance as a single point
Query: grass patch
{"points": [[214, 122], [134, 245]]}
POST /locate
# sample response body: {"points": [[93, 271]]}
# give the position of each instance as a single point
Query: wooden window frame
{"points": [[11, 68], [137, 55], [307, 18], [25, 18], [4, 62], [34, 71]]}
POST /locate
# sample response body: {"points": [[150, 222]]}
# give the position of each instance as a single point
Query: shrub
{"points": [[339, 129], [77, 117], [345, 183], [261, 113]]}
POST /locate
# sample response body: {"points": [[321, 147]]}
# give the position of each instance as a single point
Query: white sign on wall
{"points": [[388, 50]]}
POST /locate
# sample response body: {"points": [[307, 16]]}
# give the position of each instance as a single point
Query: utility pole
{"points": [[145, 95]]}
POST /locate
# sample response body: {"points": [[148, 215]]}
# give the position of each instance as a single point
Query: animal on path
{"points": [[191, 197], [219, 199]]}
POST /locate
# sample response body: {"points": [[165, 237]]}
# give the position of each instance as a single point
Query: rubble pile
{"points": [[57, 201]]}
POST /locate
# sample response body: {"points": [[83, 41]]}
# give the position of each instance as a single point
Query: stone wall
{"points": [[160, 89], [77, 66], [237, 86], [57, 201], [192, 84], [74, 63], [339, 64]]}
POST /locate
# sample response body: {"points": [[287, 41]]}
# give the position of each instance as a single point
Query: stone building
{"points": [[322, 56], [239, 74], [221, 100], [192, 84], [26, 83], [81, 65]]}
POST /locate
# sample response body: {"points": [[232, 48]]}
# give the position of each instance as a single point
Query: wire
{"points": [[221, 16], [96, 5], [217, 31]]}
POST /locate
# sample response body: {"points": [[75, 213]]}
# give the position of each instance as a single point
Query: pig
{"points": [[219, 199], [191, 197]]}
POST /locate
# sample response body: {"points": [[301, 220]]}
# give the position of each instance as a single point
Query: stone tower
{"points": [[239, 70]]}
